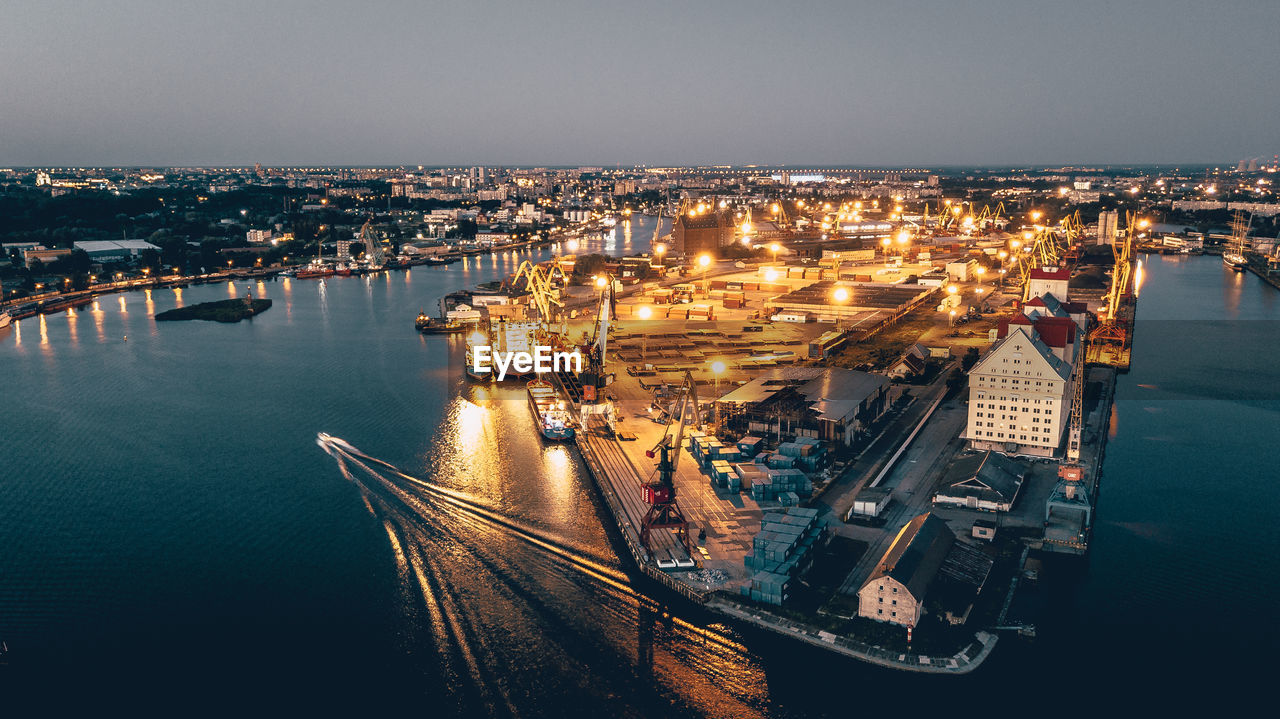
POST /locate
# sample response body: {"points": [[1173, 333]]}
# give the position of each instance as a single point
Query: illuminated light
{"points": [[644, 313], [704, 260], [841, 294], [904, 237], [771, 275], [718, 367], [952, 289], [723, 204], [659, 249], [1035, 215], [774, 208]]}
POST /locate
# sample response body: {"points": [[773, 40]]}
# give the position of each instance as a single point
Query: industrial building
{"points": [[114, 250], [854, 300], [707, 232], [896, 590], [827, 403], [1019, 392], [986, 481]]}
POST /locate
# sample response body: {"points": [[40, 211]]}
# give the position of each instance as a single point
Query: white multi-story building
{"points": [[1019, 392], [256, 236]]}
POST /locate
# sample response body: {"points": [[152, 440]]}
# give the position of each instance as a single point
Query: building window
{"points": [[879, 611]]}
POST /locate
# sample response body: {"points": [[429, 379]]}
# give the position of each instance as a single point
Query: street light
{"points": [[841, 296], [717, 369], [774, 248], [952, 321], [644, 312], [705, 261]]}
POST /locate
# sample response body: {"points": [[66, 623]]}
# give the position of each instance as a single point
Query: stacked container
{"points": [[781, 551]]}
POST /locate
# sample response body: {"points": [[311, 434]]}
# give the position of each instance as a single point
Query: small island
{"points": [[220, 311]]}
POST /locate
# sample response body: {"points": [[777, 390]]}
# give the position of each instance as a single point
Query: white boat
{"points": [[5, 319]]}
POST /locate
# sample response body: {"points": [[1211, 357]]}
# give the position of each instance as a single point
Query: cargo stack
{"points": [[749, 447], [707, 450], [781, 551], [809, 454]]}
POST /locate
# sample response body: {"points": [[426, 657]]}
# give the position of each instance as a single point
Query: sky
{"points": [[904, 83]]}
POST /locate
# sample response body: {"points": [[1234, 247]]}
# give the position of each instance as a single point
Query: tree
{"points": [[149, 259], [970, 359]]}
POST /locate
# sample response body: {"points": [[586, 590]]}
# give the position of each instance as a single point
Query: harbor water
{"points": [[171, 535]]}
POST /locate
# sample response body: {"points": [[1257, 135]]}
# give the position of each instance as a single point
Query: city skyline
{"points": [[925, 84]]}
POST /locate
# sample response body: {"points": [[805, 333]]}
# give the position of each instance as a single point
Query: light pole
{"points": [[774, 249], [717, 369], [841, 296], [705, 262]]}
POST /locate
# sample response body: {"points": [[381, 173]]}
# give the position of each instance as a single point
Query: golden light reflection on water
{"points": [[556, 465], [98, 321], [17, 333], [1138, 276], [44, 332], [72, 325], [150, 303], [177, 296], [124, 308], [475, 463]]}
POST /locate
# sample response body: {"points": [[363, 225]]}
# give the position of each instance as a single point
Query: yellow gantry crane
{"points": [[1109, 340], [539, 281]]}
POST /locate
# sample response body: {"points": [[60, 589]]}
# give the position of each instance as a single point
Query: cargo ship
{"points": [[313, 271], [554, 420], [484, 374]]}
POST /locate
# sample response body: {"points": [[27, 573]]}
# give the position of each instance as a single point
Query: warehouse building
{"points": [[827, 403]]}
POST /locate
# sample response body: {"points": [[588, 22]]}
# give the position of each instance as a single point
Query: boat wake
{"points": [[513, 611]]}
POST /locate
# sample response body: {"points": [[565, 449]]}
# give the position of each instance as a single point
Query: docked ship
{"points": [[483, 374], [314, 270], [1233, 255], [433, 326], [5, 319], [1235, 261], [554, 419]]}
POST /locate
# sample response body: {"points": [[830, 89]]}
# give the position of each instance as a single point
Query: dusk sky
{"points": [[923, 83]]}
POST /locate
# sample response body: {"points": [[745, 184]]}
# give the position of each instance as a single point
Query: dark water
{"points": [[172, 537]]}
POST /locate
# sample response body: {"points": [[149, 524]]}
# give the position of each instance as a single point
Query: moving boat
{"points": [[438, 261], [554, 419]]}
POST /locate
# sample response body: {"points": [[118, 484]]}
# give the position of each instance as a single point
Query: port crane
{"points": [[1109, 341], [540, 282], [374, 255], [660, 494], [594, 377]]}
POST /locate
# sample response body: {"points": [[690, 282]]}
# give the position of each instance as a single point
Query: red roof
{"points": [[1051, 273], [1056, 331], [1053, 331]]}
